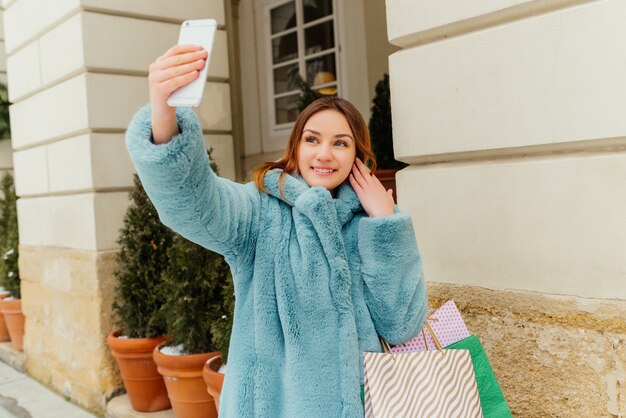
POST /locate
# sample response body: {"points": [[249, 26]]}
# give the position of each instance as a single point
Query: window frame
{"points": [[299, 29]]}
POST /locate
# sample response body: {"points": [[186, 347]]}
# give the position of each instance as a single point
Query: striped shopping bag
{"points": [[424, 384]]}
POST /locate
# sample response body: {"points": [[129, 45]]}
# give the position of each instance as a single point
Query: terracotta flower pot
{"points": [[185, 387], [213, 378], [144, 385], [388, 179], [14, 319], [4, 331]]}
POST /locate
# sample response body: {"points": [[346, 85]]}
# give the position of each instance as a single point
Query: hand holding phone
{"points": [[177, 67], [194, 32]]}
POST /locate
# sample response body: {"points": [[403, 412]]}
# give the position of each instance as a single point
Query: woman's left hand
{"points": [[374, 198]]}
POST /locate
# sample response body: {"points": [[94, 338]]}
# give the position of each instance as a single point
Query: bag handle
{"points": [[387, 348]]}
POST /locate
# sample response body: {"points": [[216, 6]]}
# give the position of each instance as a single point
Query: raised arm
{"points": [[190, 198], [395, 290]]}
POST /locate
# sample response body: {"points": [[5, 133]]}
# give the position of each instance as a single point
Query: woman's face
{"points": [[327, 150]]}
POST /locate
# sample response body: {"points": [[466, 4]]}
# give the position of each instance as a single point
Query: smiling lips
{"points": [[323, 171]]}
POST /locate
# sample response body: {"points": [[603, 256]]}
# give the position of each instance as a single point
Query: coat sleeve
{"points": [[190, 198], [395, 289]]}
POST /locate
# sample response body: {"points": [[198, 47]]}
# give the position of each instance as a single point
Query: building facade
{"points": [[508, 114]]}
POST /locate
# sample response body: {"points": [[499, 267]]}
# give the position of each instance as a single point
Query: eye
{"points": [[310, 139], [341, 143]]}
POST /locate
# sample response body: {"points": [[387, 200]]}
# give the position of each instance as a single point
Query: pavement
{"points": [[24, 397]]}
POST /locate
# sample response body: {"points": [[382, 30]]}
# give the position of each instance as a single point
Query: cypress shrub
{"points": [[200, 299], [144, 242], [9, 238], [380, 127]]}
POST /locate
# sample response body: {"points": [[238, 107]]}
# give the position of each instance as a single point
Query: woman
{"points": [[323, 262]]}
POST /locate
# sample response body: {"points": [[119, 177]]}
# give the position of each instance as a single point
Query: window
{"points": [[301, 42]]}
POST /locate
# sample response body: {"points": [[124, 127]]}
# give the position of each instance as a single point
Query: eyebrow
{"points": [[336, 136]]}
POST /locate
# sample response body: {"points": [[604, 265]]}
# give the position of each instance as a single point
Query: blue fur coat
{"points": [[316, 280]]}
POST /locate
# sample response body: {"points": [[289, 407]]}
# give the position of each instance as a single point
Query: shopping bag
{"points": [[424, 384], [447, 324], [491, 397]]}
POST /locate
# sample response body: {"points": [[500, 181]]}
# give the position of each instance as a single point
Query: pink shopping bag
{"points": [[448, 326]]}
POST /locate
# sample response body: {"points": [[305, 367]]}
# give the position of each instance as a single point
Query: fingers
{"points": [[365, 172], [179, 70], [355, 185], [180, 49], [178, 59], [180, 65], [179, 81]]}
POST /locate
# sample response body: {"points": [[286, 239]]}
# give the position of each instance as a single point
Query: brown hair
{"points": [[289, 161]]}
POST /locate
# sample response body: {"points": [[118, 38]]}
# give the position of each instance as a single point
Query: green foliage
{"points": [[5, 126], [144, 242], [194, 283], [200, 297], [307, 94], [380, 128], [222, 328], [9, 238]]}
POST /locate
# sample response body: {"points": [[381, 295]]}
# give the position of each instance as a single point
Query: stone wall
{"points": [[77, 72], [510, 114]]}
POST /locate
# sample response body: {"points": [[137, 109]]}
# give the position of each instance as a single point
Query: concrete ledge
{"points": [[11, 357], [119, 407]]}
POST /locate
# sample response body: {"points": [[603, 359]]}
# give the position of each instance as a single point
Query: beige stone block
{"points": [[560, 83], [64, 221], [111, 163], [108, 42], [110, 209], [70, 164], [414, 21], [180, 10], [6, 155], [26, 19], [100, 101], [90, 162], [62, 50], [67, 324], [617, 405], [218, 63], [24, 71], [214, 111], [3, 58], [222, 153], [150, 40], [553, 225], [52, 119], [114, 99], [31, 171]]}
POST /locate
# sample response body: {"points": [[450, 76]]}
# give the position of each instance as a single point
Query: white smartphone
{"points": [[194, 32]]}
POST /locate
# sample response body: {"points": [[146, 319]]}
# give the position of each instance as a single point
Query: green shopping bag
{"points": [[491, 397]]}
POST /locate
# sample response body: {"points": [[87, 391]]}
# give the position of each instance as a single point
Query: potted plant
{"points": [[381, 134], [193, 282], [142, 258], [11, 307], [4, 331], [221, 330], [308, 95]]}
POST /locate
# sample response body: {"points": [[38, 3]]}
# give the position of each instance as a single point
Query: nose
{"points": [[324, 153]]}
